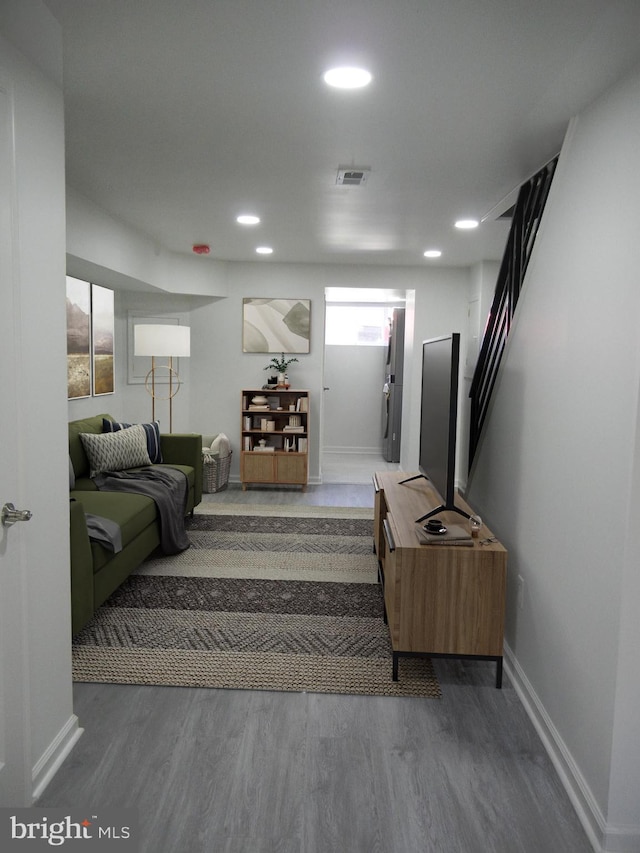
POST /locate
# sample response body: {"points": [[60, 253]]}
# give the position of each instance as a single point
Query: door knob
{"points": [[10, 515]]}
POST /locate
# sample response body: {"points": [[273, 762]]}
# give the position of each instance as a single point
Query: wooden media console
{"points": [[440, 600]]}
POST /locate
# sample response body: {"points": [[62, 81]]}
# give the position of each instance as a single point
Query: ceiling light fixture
{"points": [[264, 250], [347, 77], [432, 253], [248, 219], [467, 224]]}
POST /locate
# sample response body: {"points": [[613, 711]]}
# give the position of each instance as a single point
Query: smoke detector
{"points": [[352, 176]]}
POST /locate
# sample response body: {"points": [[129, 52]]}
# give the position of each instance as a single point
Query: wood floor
{"points": [[227, 771]]}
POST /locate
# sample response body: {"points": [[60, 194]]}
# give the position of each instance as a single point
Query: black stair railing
{"points": [[524, 227]]}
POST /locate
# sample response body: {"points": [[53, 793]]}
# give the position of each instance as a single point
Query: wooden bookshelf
{"points": [[274, 437]]}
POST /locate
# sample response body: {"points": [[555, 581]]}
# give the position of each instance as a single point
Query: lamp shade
{"points": [[165, 340]]}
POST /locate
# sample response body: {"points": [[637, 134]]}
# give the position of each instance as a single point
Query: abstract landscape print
{"points": [[78, 338], [276, 325], [102, 314]]}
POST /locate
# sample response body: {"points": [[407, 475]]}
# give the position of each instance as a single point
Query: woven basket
{"points": [[215, 472]]}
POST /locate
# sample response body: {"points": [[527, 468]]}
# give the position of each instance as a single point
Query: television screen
{"points": [[438, 415], [439, 418]]}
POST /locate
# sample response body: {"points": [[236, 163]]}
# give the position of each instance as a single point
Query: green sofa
{"points": [[95, 570]]}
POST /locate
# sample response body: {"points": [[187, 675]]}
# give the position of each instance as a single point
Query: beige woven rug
{"points": [[267, 597]]}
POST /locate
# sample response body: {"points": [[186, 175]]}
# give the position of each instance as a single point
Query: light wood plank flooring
{"points": [[226, 771], [353, 468]]}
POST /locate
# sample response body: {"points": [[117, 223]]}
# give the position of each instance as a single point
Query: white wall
{"points": [[30, 66], [439, 307], [219, 369], [101, 247], [209, 401], [557, 472]]}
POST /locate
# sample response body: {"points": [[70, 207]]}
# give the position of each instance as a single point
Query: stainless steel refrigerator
{"points": [[392, 389]]}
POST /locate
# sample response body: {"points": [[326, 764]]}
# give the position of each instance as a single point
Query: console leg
{"points": [[395, 666], [499, 673]]}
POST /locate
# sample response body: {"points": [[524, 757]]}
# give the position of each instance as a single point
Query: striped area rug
{"points": [[267, 597]]}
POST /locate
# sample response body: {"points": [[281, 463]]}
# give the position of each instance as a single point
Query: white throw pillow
{"points": [[221, 445], [115, 451]]}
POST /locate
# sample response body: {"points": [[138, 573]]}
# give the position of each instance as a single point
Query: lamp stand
{"points": [[150, 385]]}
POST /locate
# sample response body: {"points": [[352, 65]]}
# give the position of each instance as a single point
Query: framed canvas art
{"points": [[102, 318], [276, 325], [78, 338]]}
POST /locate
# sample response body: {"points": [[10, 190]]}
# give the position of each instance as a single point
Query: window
{"points": [[357, 325]]}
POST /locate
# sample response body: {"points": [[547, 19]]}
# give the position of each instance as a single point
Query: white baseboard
{"points": [[603, 838], [236, 481], [354, 450], [50, 761], [625, 840]]}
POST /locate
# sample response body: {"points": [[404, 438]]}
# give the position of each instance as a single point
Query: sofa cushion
{"points": [[152, 433], [187, 470], [131, 512], [115, 451]]}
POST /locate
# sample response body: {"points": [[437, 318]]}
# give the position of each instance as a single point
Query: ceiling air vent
{"points": [[350, 176]]}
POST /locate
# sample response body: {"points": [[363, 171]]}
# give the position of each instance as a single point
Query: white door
{"points": [[15, 781]]}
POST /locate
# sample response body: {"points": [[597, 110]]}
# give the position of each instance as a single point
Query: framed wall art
{"points": [[78, 338], [102, 320], [276, 325]]}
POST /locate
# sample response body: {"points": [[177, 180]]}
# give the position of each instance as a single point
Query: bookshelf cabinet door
{"points": [[257, 467], [291, 468]]}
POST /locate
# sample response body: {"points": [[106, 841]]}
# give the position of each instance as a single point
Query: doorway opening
{"points": [[357, 325]]}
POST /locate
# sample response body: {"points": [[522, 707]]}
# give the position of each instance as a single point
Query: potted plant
{"points": [[280, 365]]}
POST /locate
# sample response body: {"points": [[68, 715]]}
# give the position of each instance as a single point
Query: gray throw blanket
{"points": [[104, 531], [168, 487]]}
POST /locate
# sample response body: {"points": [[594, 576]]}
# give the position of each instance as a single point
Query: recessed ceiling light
{"points": [[264, 250], [347, 77], [248, 219], [432, 253], [467, 224]]}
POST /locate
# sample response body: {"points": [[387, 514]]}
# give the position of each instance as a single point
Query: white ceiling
{"points": [[180, 115]]}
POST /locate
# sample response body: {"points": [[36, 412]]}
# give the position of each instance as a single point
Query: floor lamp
{"points": [[158, 342]]}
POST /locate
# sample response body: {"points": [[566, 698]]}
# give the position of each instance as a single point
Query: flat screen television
{"points": [[439, 419]]}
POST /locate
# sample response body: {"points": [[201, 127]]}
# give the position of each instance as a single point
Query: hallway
{"points": [[353, 468]]}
